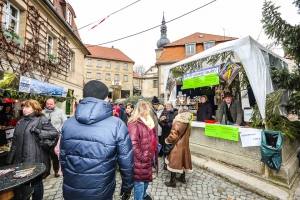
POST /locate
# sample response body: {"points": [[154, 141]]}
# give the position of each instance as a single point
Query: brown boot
{"points": [[181, 178], [172, 182]]}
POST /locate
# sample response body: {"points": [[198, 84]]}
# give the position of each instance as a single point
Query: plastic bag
{"points": [[271, 149]]}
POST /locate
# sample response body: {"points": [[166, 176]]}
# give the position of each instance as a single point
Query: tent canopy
{"points": [[256, 62]]}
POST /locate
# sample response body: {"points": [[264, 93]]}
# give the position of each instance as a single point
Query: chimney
{"points": [[112, 47]]}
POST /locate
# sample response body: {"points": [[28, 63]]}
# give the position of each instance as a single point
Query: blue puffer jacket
{"points": [[92, 143]]}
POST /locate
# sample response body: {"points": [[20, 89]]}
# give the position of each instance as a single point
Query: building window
{"points": [[117, 65], [49, 44], [190, 49], [69, 17], [98, 75], [155, 84], [116, 77], [89, 75], [125, 78], [125, 66], [89, 62], [107, 64], [208, 44], [10, 17], [98, 63], [70, 61], [107, 77]]}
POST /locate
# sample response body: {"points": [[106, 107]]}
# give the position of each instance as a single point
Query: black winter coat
{"points": [[204, 111], [25, 147], [166, 125]]}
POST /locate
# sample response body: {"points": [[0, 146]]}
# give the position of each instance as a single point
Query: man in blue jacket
{"points": [[92, 143]]}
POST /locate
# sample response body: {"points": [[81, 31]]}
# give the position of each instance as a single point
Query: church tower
{"points": [[163, 38]]}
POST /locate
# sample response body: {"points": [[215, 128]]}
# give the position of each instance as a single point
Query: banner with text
{"points": [[35, 86], [222, 131], [201, 78]]}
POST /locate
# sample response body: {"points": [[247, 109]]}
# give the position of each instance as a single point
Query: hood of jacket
{"points": [[183, 117], [91, 110]]}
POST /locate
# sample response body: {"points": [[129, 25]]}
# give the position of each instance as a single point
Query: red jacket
{"points": [[140, 136]]}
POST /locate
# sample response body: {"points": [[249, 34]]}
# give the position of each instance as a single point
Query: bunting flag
{"points": [[99, 22]]}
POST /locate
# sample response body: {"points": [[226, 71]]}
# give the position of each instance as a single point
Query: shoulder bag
{"points": [[46, 143], [168, 147]]}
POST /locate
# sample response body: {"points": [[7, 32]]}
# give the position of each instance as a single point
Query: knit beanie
{"points": [[155, 100], [95, 89]]}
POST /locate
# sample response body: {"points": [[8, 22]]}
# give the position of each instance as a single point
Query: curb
{"points": [[241, 178]]}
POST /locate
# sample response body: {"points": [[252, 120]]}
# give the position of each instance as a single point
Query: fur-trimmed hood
{"points": [[184, 117]]}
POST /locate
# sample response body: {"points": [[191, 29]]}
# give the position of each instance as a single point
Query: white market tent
{"points": [[256, 62]]}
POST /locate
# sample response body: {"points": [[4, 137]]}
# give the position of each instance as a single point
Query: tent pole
{"points": [[266, 167]]}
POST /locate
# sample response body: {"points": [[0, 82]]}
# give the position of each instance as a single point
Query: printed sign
{"points": [[201, 78], [250, 137], [222, 131]]}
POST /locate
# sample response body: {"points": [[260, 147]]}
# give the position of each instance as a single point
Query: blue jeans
{"points": [[38, 186], [140, 190], [230, 123]]}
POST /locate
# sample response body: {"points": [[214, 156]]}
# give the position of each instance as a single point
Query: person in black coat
{"points": [[25, 146], [6, 115], [165, 121], [204, 111], [127, 113]]}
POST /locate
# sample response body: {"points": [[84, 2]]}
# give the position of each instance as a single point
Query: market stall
{"points": [[238, 146], [13, 90]]}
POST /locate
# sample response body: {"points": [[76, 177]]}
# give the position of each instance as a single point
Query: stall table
{"points": [[7, 182]]}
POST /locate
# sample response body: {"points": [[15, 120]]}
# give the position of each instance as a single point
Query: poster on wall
{"points": [[201, 78], [30, 85]]}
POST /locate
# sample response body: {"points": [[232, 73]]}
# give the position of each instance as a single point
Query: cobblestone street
{"points": [[201, 184]]}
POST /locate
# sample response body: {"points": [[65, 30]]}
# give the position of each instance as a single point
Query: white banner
{"points": [[202, 72], [250, 137]]}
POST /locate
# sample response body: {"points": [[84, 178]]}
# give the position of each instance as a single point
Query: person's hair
{"points": [[35, 105], [204, 96], [4, 109], [52, 99], [129, 104], [141, 110], [160, 107], [169, 103]]}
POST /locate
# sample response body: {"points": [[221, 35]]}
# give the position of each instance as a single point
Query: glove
{"points": [[35, 131], [124, 195]]}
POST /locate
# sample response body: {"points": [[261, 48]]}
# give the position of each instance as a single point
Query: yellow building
{"points": [[39, 40], [110, 66]]}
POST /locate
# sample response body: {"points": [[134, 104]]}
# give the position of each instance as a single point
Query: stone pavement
{"points": [[201, 184]]}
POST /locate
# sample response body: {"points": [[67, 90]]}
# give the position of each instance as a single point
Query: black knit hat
{"points": [[95, 89], [155, 100], [227, 94]]}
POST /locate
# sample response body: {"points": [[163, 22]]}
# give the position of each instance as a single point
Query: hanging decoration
{"points": [[229, 71]]}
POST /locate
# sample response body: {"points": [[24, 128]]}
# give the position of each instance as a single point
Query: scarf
{"points": [[150, 123]]}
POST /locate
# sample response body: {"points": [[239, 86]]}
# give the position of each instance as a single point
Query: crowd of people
{"points": [[100, 138]]}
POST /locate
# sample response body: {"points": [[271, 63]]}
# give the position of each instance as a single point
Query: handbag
{"points": [[168, 147], [46, 143]]}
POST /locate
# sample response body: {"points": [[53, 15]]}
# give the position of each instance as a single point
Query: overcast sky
{"points": [[236, 18]]}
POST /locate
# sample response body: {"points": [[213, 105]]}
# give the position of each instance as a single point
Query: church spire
{"points": [[163, 34]]}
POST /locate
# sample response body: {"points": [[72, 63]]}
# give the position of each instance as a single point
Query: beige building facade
{"points": [[110, 66], [43, 42]]}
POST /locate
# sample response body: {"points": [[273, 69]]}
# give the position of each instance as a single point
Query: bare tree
{"points": [[139, 69]]}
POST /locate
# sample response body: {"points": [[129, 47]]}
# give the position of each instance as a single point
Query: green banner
{"points": [[222, 131], [201, 81], [68, 105]]}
